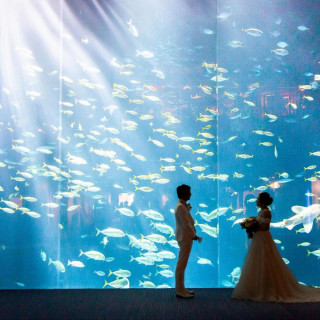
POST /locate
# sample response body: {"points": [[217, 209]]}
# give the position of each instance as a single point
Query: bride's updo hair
{"points": [[265, 198]]}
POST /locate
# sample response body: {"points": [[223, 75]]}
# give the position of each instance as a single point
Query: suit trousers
{"points": [[184, 252]]}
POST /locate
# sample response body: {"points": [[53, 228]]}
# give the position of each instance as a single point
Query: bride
{"points": [[265, 276]]}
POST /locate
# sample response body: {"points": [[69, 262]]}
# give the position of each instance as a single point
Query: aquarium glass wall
{"points": [[107, 106]]}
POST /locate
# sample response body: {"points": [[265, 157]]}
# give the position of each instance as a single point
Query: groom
{"points": [[185, 234]]}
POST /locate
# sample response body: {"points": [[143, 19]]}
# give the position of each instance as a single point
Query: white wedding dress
{"points": [[266, 277]]}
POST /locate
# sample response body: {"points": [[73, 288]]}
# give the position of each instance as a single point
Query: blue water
{"points": [[107, 106]]}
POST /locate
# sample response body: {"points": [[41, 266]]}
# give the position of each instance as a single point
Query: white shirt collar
{"points": [[184, 202]]}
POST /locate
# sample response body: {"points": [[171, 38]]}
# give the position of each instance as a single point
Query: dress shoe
{"points": [[190, 292], [184, 295]]}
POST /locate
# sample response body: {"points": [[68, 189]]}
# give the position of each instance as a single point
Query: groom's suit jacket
{"points": [[184, 222]]}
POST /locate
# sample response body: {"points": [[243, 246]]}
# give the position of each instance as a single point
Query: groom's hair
{"points": [[182, 190]]}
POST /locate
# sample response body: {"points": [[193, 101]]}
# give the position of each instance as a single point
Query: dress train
{"points": [[266, 277]]}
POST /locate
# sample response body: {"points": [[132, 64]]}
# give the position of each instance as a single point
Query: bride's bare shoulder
{"points": [[266, 213]]}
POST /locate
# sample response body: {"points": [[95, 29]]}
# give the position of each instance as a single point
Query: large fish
{"points": [[304, 215]]}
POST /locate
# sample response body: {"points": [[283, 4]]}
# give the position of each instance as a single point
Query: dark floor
{"points": [[143, 304]]}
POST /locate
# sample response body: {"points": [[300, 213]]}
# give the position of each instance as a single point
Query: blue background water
{"points": [[59, 63]]}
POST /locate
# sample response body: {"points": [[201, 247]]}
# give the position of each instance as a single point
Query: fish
{"points": [[303, 87], [169, 160], [165, 254], [271, 117], [92, 254], [206, 135], [261, 188], [208, 31], [151, 98], [165, 273], [224, 15], [239, 210], [266, 144], [204, 261], [235, 274], [51, 205], [146, 117], [315, 253], [58, 265], [316, 153], [77, 264], [146, 284], [235, 44], [211, 231], [124, 168], [304, 244], [32, 214], [120, 283], [280, 52], [206, 89], [120, 273], [163, 228], [227, 284], [186, 169], [76, 160], [238, 175], [244, 156], [10, 204], [142, 260], [303, 215], [152, 214], [146, 244], [163, 266], [253, 32], [132, 29], [43, 256], [73, 207], [218, 212], [156, 142], [21, 149], [204, 215], [219, 78], [282, 44], [20, 284], [158, 238], [144, 189], [302, 28], [312, 179], [125, 211], [309, 98], [311, 167], [250, 103], [158, 73]]}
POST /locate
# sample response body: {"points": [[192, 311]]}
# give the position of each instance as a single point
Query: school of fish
{"points": [[117, 145]]}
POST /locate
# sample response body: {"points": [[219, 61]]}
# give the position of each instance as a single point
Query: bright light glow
{"points": [[107, 106]]}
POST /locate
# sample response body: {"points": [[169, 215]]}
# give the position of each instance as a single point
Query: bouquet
{"points": [[251, 225]]}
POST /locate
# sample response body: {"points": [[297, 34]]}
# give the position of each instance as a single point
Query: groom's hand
{"points": [[197, 238]]}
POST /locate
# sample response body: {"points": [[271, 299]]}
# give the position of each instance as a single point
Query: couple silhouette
{"points": [[264, 276]]}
